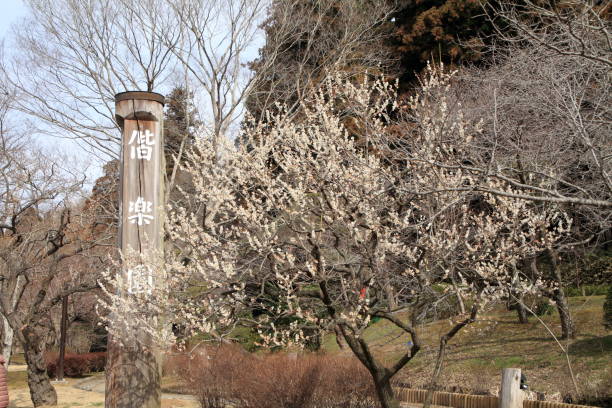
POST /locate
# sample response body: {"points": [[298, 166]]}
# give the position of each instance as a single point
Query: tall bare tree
{"points": [[305, 41], [46, 248], [79, 54]]}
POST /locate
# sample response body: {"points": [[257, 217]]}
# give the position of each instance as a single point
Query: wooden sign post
{"points": [[511, 395], [133, 371]]}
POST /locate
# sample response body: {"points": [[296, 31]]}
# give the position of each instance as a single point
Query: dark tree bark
{"points": [[381, 375], [516, 302], [385, 393], [41, 390], [339, 338], [521, 312], [62, 345], [568, 329]]}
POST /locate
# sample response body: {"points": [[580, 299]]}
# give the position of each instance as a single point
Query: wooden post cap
{"points": [[140, 96]]}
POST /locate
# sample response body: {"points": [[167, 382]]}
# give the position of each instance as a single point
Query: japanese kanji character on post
{"points": [[140, 210], [140, 279], [141, 144]]}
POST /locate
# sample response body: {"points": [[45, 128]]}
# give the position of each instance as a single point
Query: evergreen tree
{"points": [[449, 31], [306, 39], [180, 124]]}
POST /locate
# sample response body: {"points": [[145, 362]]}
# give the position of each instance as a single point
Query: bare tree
{"points": [[305, 41], [580, 28], [42, 234], [546, 130], [80, 54]]}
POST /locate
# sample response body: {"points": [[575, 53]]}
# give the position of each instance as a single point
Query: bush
{"points": [[228, 374], [76, 365], [543, 308], [607, 310]]}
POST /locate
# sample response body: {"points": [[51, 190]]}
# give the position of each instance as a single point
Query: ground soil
{"points": [[79, 392]]}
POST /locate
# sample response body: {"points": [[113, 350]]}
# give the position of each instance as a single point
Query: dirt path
{"points": [[88, 393]]}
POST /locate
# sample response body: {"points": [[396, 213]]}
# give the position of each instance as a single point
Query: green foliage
{"points": [[509, 361], [587, 290], [607, 309], [247, 337], [544, 308]]}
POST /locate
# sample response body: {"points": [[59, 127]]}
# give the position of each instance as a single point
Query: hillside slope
{"points": [[477, 355]]}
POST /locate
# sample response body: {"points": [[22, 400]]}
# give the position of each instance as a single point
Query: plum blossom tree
{"points": [[546, 132], [320, 231]]}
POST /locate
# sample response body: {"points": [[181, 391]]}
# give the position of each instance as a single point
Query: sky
{"points": [[12, 10]]}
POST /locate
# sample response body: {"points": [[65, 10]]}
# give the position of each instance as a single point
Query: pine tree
{"points": [[180, 124], [449, 31]]}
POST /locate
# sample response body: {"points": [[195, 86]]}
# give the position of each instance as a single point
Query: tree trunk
{"points": [[391, 297], [568, 330], [62, 345], [7, 339], [7, 330], [435, 376], [41, 390], [521, 311], [338, 337], [384, 391], [380, 375], [458, 294]]}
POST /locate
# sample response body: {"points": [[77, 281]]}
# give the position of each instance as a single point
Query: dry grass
{"points": [[476, 356]]}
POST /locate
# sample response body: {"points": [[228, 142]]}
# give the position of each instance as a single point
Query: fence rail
{"points": [[451, 399]]}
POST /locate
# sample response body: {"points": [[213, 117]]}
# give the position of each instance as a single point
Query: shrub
{"points": [[543, 308], [228, 374], [76, 365]]}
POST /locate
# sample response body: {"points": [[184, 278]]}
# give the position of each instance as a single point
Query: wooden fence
{"points": [[450, 399]]}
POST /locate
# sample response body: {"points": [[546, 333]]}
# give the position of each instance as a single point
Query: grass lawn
{"points": [[474, 360], [477, 354]]}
